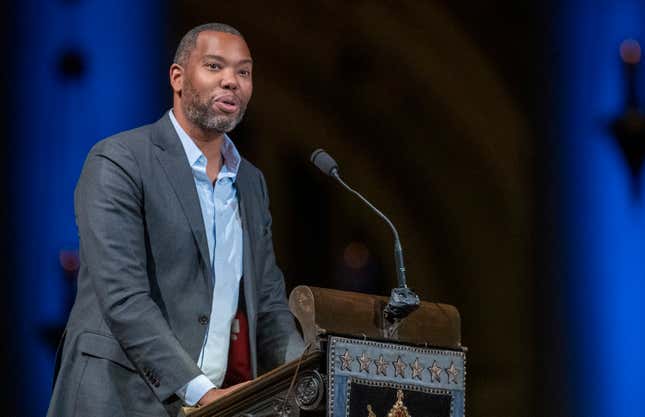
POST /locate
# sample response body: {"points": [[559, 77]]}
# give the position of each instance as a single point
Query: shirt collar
{"points": [[230, 153]]}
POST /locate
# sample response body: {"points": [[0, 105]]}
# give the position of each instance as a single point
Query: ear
{"points": [[176, 77]]}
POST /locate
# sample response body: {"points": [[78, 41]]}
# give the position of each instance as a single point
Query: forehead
{"points": [[225, 45]]}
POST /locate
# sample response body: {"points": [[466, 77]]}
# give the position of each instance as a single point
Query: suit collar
{"points": [[164, 135], [192, 150]]}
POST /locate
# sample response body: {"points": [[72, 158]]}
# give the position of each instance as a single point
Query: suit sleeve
{"points": [[109, 209], [278, 336]]}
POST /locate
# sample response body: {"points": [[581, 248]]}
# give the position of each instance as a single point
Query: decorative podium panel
{"points": [[377, 379]]}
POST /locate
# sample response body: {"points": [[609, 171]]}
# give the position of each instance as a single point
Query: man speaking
{"points": [[176, 251]]}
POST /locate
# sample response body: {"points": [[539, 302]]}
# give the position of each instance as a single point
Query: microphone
{"points": [[324, 162], [403, 300]]}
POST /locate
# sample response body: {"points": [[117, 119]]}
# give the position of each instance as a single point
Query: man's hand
{"points": [[217, 393]]}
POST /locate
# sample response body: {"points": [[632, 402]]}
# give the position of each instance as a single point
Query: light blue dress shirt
{"points": [[221, 215]]}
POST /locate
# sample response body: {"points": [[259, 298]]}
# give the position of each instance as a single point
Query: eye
{"points": [[245, 73], [214, 66]]}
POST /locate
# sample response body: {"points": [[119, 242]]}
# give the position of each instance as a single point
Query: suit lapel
{"points": [[172, 157], [243, 196]]}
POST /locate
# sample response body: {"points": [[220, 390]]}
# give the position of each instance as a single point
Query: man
{"points": [[172, 223]]}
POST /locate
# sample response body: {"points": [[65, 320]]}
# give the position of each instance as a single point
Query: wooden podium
{"points": [[359, 364]]}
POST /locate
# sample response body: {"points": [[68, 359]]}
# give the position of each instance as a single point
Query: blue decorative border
{"points": [[393, 365]]}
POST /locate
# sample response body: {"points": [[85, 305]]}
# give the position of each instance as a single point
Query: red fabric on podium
{"points": [[239, 354]]}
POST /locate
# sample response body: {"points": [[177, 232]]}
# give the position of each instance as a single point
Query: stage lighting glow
{"points": [[356, 255], [630, 51]]}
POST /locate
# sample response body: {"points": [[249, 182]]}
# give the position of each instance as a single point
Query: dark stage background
{"points": [[480, 128]]}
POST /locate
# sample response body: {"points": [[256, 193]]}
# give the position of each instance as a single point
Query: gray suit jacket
{"points": [[144, 285]]}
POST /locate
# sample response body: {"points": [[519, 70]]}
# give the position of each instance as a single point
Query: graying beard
{"points": [[200, 115]]}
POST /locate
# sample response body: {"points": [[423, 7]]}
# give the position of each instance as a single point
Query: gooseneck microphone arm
{"points": [[398, 250], [403, 300]]}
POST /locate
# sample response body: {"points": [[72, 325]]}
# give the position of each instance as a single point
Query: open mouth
{"points": [[227, 104]]}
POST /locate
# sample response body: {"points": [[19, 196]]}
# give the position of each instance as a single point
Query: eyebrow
{"points": [[221, 58]]}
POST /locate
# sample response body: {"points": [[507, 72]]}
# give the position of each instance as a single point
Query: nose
{"points": [[229, 81]]}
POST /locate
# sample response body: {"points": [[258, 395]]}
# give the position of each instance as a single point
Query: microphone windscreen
{"points": [[324, 162]]}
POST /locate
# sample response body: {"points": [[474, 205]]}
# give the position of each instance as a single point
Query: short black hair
{"points": [[188, 42]]}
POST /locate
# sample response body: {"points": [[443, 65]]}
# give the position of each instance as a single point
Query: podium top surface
{"points": [[322, 311]]}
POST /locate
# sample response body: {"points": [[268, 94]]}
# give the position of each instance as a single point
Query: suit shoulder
{"points": [[124, 150], [249, 168], [131, 141]]}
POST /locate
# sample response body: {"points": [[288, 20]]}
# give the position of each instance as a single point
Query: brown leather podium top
{"points": [[323, 311]]}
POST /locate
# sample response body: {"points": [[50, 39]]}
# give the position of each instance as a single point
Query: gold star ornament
{"points": [[381, 366], [399, 367], [364, 362], [417, 369], [346, 361], [435, 372], [452, 372]]}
